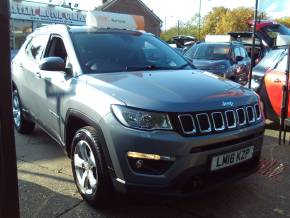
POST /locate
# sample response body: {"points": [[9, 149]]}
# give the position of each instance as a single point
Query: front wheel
{"points": [[89, 167], [22, 125]]}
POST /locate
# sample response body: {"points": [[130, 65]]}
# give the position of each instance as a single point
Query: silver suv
{"points": [[132, 114]]}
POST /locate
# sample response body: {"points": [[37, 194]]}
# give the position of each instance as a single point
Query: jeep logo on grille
{"points": [[227, 104]]}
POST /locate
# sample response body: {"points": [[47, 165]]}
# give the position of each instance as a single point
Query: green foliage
{"points": [[220, 20], [189, 28], [212, 20], [235, 20], [285, 21]]}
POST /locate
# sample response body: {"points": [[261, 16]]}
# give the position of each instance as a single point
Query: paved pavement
{"points": [[47, 188]]}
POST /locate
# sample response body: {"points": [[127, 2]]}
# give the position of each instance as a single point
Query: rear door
{"points": [[28, 70]]}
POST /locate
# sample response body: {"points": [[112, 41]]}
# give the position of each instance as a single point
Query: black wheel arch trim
{"points": [[90, 122]]}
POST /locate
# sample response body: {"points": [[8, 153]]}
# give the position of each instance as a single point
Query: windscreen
{"points": [[103, 52], [211, 52]]}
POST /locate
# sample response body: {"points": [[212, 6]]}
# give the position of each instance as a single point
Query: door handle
{"points": [[38, 75]]}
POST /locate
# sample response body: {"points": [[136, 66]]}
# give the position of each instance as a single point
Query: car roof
{"points": [[59, 28], [221, 43]]}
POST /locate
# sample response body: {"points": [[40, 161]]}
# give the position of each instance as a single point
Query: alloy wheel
{"points": [[85, 168]]}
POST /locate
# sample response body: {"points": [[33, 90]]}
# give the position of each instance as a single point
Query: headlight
{"points": [[140, 119]]}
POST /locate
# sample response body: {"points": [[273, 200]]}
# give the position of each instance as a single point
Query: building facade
{"points": [[27, 16], [135, 7]]}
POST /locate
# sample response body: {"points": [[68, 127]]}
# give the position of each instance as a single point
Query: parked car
{"points": [[271, 90], [132, 114], [228, 59], [269, 62], [266, 37], [246, 39], [182, 43]]}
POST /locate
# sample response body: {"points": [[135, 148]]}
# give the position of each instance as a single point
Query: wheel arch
{"points": [[76, 120]]}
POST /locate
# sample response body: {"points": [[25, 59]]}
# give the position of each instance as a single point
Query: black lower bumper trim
{"points": [[194, 181]]}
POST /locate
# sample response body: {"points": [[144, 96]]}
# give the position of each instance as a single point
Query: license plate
{"points": [[233, 158]]}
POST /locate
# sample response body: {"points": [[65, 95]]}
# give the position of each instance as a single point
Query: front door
{"points": [[56, 84]]}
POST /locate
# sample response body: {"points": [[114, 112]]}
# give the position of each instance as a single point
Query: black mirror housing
{"points": [[52, 64], [239, 58]]}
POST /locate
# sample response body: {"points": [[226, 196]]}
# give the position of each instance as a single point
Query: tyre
{"points": [[22, 125], [89, 168]]}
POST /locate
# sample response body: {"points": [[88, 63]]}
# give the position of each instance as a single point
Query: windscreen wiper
{"points": [[148, 67], [184, 66]]}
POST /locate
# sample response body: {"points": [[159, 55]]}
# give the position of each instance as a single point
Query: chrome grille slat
{"points": [[214, 121], [249, 110], [182, 126], [244, 114], [198, 117], [218, 121], [227, 119], [258, 111]]}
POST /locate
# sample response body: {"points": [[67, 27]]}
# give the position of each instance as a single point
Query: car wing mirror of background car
{"points": [[238, 59]]}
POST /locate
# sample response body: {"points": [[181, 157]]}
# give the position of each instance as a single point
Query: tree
{"points": [[235, 20], [285, 21], [211, 21], [189, 28], [220, 20]]}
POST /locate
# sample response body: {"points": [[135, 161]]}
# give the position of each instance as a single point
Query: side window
{"points": [[282, 65], [56, 48], [237, 51], [191, 52], [243, 52], [36, 46]]}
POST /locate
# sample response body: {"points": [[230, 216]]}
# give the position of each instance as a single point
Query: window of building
{"points": [[20, 30]]}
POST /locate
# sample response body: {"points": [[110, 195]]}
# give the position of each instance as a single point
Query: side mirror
{"points": [[239, 58], [52, 64]]}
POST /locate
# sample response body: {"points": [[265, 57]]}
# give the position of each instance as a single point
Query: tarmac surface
{"points": [[47, 189]]}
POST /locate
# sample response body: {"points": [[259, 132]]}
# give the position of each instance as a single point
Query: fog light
{"points": [[139, 164], [149, 163], [149, 156]]}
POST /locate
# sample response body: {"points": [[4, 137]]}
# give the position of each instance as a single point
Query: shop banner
{"points": [[46, 13], [102, 19]]}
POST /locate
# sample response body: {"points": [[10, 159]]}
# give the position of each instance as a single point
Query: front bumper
{"points": [[190, 171]]}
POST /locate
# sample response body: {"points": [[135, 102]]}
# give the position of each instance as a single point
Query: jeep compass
{"points": [[132, 114]]}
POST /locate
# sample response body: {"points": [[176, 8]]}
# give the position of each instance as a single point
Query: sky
{"points": [[173, 10], [170, 11]]}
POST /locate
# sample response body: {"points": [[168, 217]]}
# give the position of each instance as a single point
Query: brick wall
{"points": [[152, 25]]}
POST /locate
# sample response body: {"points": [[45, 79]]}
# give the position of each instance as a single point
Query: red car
{"points": [[271, 90]]}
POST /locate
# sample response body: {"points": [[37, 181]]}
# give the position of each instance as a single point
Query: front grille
{"points": [[250, 114], [218, 121], [203, 122], [241, 116], [231, 119], [258, 112], [188, 125]]}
